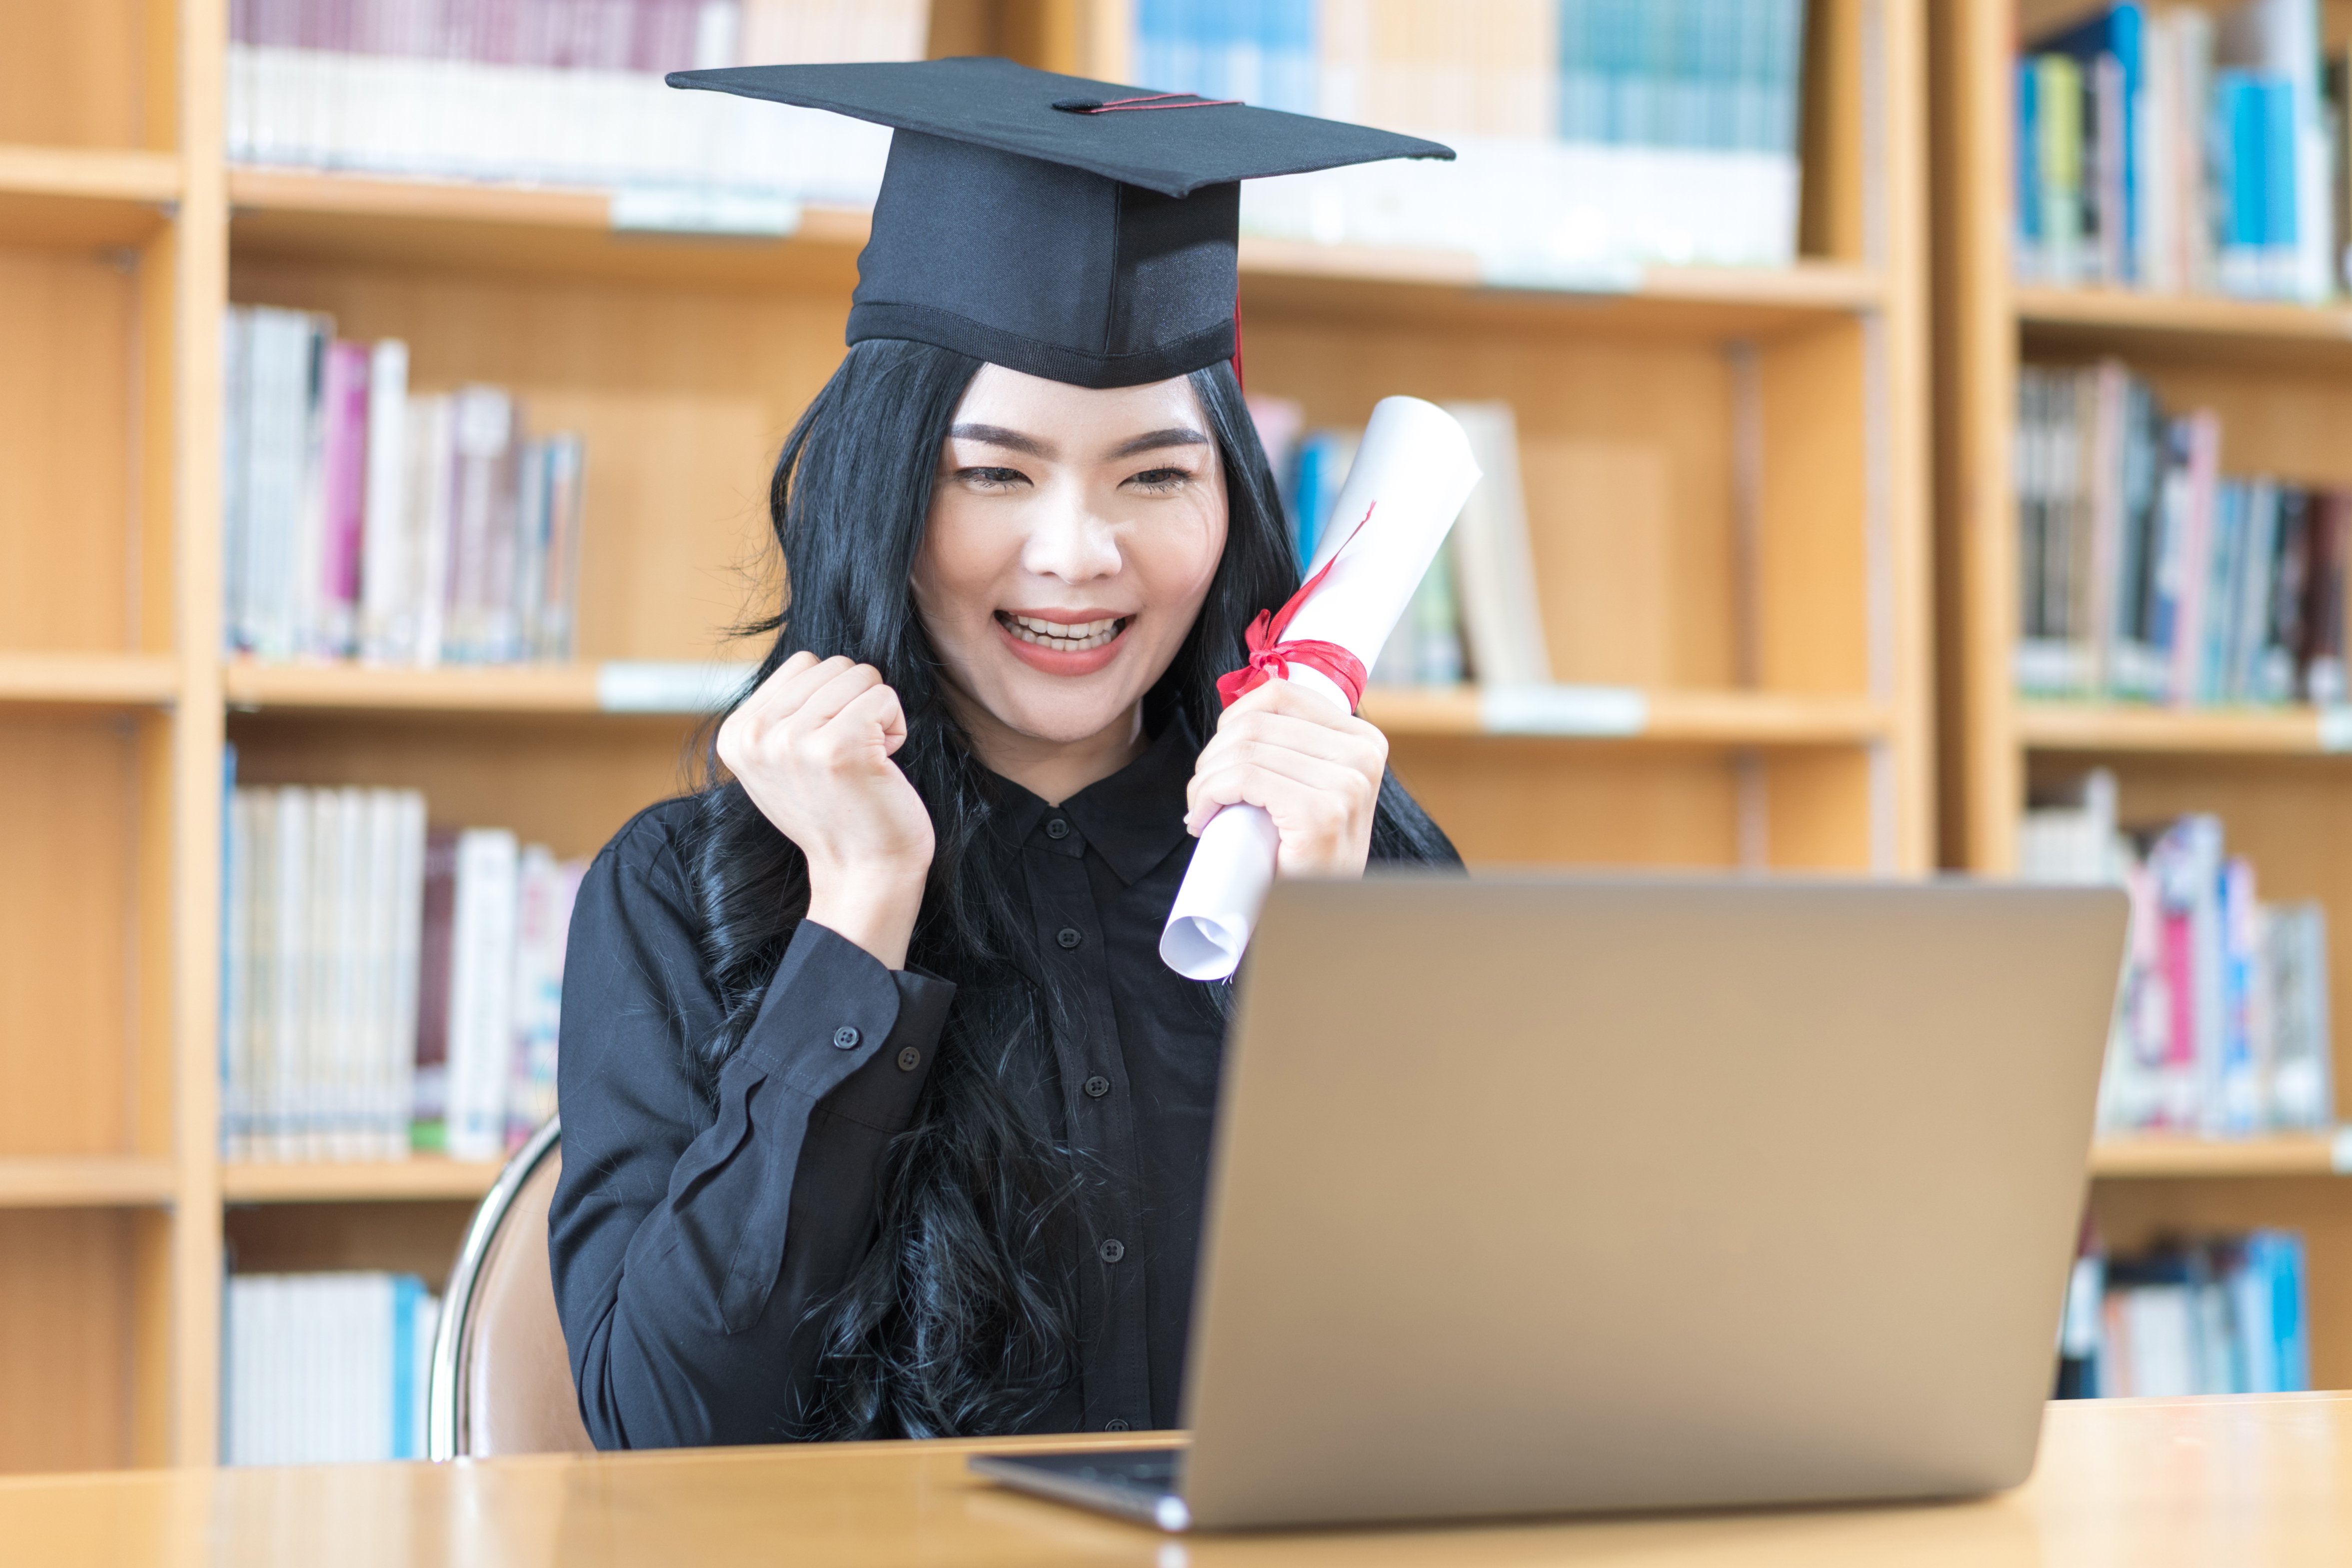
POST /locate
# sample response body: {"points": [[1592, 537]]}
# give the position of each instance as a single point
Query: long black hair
{"points": [[959, 1318]]}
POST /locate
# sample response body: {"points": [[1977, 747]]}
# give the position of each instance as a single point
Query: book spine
{"points": [[388, 593], [428, 1118], [480, 1008]]}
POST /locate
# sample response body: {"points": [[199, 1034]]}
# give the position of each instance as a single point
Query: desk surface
{"points": [[2134, 1483]]}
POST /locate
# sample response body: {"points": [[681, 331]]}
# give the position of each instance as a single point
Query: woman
{"points": [[882, 1117]]}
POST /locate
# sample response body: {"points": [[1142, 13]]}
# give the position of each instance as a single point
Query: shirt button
{"points": [[1117, 1425], [846, 1038], [1096, 1087], [909, 1059], [1069, 937], [1057, 829], [1112, 1250]]}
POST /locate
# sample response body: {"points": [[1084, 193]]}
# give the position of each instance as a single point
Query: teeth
{"points": [[1064, 637]]}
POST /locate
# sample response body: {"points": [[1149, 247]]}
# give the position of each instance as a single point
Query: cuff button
{"points": [[846, 1038], [909, 1059]]}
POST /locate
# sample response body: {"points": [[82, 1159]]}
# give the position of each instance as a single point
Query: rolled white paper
{"points": [[1413, 472]]}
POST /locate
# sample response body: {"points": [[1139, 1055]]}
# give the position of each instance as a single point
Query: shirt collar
{"points": [[1133, 819]]}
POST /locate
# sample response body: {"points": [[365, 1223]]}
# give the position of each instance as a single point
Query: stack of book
{"points": [[325, 1368], [2221, 1022], [2180, 149], [2147, 574], [564, 92], [387, 987], [1475, 614], [361, 521], [2221, 1316], [1594, 134]]}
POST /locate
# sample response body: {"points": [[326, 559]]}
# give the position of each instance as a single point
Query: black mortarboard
{"points": [[1073, 229]]}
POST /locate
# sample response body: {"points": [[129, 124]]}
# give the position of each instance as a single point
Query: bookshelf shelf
{"points": [[518, 689], [82, 197], [2131, 311], [358, 1181], [2128, 727], [303, 213], [85, 1182], [1665, 717], [87, 679], [2280, 1154]]}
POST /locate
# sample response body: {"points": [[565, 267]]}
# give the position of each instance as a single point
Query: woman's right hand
{"points": [[812, 747]]}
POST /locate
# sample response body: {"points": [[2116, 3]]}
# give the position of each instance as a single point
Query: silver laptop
{"points": [[1545, 1194]]}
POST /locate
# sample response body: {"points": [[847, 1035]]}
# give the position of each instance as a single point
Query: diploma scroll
{"points": [[1411, 474]]}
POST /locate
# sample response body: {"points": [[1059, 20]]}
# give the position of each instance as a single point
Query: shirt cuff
{"points": [[832, 1006]]}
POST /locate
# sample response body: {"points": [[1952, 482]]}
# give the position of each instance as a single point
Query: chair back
{"points": [[500, 1381]]}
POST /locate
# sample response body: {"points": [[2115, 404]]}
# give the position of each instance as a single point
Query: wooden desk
{"points": [[2136, 1483]]}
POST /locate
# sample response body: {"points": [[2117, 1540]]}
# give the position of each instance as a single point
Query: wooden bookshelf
{"points": [[1726, 469], [2280, 376]]}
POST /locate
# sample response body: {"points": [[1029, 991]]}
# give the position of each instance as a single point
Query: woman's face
{"points": [[1072, 536]]}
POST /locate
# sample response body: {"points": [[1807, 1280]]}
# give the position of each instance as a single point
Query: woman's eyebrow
{"points": [[997, 435], [1153, 441]]}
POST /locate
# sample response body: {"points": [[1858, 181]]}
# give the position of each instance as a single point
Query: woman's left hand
{"points": [[1314, 769]]}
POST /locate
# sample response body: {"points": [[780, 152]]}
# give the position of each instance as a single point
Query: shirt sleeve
{"points": [[690, 1249]]}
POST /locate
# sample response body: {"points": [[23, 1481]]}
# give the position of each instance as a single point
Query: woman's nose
{"points": [[1070, 541]]}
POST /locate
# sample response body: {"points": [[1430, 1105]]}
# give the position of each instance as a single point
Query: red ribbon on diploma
{"points": [[1270, 658]]}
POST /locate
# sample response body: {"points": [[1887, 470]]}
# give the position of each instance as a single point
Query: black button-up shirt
{"points": [[690, 1243]]}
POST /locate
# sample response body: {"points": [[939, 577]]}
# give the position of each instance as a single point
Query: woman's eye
{"points": [[1160, 481], [992, 478]]}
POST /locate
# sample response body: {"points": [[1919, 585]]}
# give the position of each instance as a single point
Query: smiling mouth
{"points": [[1063, 636]]}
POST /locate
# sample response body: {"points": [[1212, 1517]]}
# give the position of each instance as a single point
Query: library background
{"points": [[1909, 438]]}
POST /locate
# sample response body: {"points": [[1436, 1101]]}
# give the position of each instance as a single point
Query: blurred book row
{"points": [[1594, 134], [2145, 573], [325, 1368], [1476, 615], [387, 987], [2215, 1315], [2185, 150], [562, 92], [363, 520], [2221, 1021]]}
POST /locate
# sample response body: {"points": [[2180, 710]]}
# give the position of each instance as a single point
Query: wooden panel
{"points": [[66, 451], [684, 398], [358, 1181], [1818, 810], [1625, 454], [419, 1238], [1522, 802], [1813, 566], [1975, 405], [2292, 819], [1835, 136], [71, 819], [80, 73], [67, 1331], [569, 784], [2132, 1215]]}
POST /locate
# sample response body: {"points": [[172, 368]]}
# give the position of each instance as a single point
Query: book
{"points": [[324, 1368], [532, 91], [357, 949], [2144, 573], [2182, 149], [1492, 558], [2209, 1315], [368, 521], [2221, 1017]]}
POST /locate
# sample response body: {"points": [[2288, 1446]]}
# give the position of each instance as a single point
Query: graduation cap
{"points": [[1077, 230]]}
